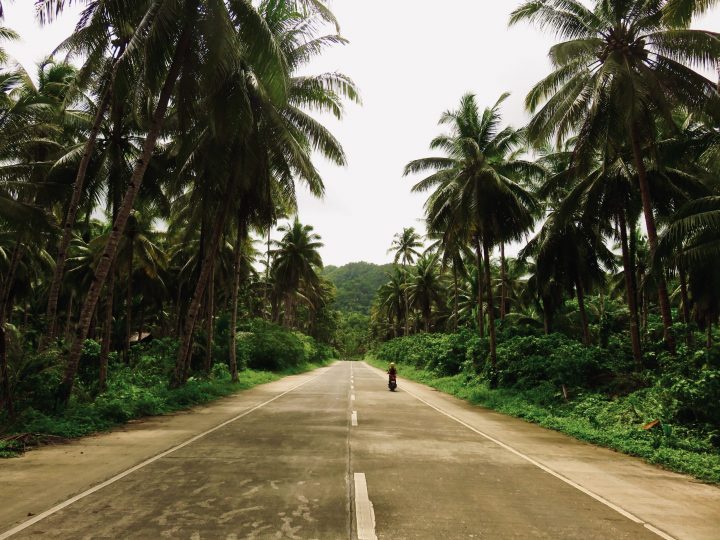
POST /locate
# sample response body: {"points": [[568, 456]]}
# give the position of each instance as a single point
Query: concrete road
{"points": [[338, 456]]}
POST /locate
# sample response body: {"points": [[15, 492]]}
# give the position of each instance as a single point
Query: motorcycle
{"points": [[392, 383]]}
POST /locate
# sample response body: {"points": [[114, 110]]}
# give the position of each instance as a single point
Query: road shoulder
{"points": [[47, 476]]}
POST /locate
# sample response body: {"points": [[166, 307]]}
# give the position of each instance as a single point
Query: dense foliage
{"points": [[606, 312], [356, 285], [135, 176]]}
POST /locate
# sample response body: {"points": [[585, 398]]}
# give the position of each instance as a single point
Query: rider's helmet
{"points": [[392, 364]]}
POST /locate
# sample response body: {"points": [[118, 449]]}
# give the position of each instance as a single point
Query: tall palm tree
{"points": [[406, 247], [425, 287], [180, 32], [622, 67], [475, 186], [296, 264]]}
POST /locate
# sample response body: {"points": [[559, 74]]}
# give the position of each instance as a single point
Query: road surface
{"points": [[335, 455]]}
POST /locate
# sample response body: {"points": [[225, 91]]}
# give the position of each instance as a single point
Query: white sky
{"points": [[412, 59]]}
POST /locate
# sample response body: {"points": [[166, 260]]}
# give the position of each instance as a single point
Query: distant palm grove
{"points": [[146, 163]]}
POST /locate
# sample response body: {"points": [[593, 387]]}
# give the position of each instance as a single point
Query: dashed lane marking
{"points": [[353, 419], [364, 509]]}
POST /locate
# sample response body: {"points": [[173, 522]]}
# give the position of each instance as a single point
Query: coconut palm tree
{"points": [[406, 247], [475, 186], [425, 287], [693, 237], [622, 67], [296, 261], [171, 43]]}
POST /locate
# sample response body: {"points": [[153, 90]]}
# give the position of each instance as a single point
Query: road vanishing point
{"points": [[333, 454]]}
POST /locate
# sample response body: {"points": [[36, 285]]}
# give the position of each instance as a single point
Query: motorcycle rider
{"points": [[391, 370]]}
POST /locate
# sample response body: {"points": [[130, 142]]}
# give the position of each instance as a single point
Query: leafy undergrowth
{"points": [[592, 417], [131, 394]]}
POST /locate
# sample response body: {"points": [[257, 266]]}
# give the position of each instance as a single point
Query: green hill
{"points": [[357, 284]]}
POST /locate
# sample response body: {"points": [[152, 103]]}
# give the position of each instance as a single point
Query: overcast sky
{"points": [[412, 59]]}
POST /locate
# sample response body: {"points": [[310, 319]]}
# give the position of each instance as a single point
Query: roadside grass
{"points": [[130, 396], [589, 417]]}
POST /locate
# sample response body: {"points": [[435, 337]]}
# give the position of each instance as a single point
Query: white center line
{"points": [[364, 510], [352, 398], [354, 419]]}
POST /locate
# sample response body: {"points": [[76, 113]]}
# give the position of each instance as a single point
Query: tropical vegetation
{"points": [[161, 141], [569, 271]]}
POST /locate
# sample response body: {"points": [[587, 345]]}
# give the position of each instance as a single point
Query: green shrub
{"points": [[525, 362]]}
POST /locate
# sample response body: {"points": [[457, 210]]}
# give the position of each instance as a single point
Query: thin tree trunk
{"points": [[709, 341], [210, 322], [491, 307], [182, 365], [630, 291], [68, 316], [503, 285], [266, 293], [455, 297], [118, 229], [79, 184], [178, 322], [478, 262], [235, 294], [7, 399], [141, 324], [547, 322], [583, 314], [407, 308], [685, 304], [71, 216], [663, 298], [129, 302], [107, 329]]}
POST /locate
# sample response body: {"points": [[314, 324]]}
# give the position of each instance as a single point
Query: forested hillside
{"points": [[357, 283]]}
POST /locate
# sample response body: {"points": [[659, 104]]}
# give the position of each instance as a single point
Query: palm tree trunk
{"points": [[685, 304], [78, 186], [68, 316], [182, 365], [129, 302], [478, 262], [547, 320], [455, 298], [72, 211], [266, 292], [709, 341], [583, 313], [631, 295], [7, 399], [210, 322], [101, 272], [235, 294], [491, 307], [407, 306], [179, 321], [107, 330], [503, 284], [663, 298]]}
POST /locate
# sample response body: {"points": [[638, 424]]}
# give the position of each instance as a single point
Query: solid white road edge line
{"points": [[599, 498], [364, 514], [30, 522]]}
